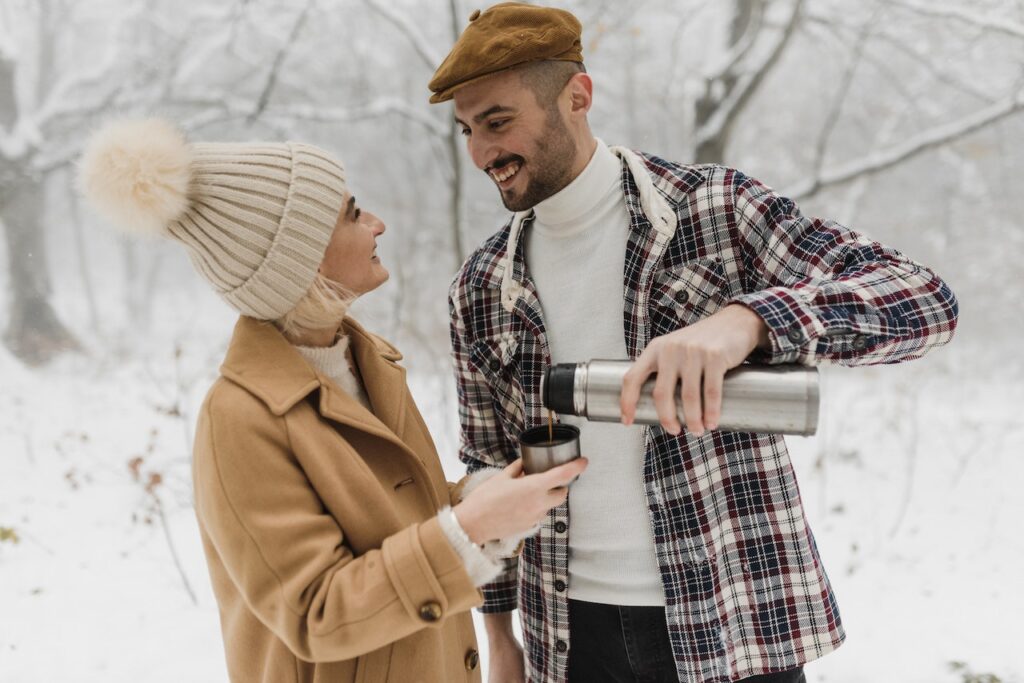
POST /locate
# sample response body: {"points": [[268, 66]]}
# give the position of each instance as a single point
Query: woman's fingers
{"points": [[515, 469], [556, 497], [562, 475]]}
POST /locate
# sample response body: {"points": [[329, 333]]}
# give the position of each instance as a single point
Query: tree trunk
{"points": [[34, 334], [454, 142], [712, 150]]}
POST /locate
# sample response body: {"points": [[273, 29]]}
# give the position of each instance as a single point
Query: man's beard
{"points": [[551, 167]]}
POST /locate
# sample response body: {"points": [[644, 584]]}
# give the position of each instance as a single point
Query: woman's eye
{"points": [[465, 131], [359, 212]]}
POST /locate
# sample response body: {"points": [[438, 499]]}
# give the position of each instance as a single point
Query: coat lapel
{"points": [[383, 378], [262, 361]]}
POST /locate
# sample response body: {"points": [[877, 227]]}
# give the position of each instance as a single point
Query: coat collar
{"points": [[264, 363]]}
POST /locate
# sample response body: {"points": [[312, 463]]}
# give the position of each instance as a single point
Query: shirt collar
{"points": [[655, 206]]}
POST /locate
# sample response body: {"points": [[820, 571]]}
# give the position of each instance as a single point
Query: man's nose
{"points": [[481, 152]]}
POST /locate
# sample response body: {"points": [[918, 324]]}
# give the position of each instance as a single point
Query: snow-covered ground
{"points": [[912, 486]]}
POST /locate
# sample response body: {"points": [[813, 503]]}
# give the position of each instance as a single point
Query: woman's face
{"points": [[351, 258]]}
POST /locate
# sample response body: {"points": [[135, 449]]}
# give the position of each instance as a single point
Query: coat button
{"points": [[430, 611], [560, 527], [559, 585], [682, 296], [561, 646], [472, 660], [795, 335], [860, 342], [495, 365]]}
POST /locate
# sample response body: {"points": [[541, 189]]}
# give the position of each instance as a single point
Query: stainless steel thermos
{"points": [[780, 399]]}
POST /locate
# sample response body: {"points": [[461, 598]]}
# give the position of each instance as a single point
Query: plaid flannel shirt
{"points": [[745, 590]]}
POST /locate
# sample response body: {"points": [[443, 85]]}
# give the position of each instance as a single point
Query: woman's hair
{"points": [[322, 307]]}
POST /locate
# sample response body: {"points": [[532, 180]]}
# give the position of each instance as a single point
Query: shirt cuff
{"points": [[793, 326], [480, 566]]}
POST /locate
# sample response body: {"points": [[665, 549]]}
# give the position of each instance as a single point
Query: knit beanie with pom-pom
{"points": [[255, 218]]}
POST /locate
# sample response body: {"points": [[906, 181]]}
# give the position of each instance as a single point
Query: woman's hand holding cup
{"points": [[512, 502]]}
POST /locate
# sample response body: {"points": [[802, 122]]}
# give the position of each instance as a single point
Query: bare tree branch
{"points": [[279, 58], [377, 108], [915, 105], [936, 137], [8, 48], [737, 52], [216, 102], [424, 48], [215, 108], [924, 59], [453, 139], [158, 505], [59, 100], [839, 100], [1001, 25], [747, 85]]}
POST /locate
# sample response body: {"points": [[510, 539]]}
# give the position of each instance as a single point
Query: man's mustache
{"points": [[504, 161]]}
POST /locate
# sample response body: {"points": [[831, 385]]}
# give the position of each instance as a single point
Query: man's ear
{"points": [[580, 90]]}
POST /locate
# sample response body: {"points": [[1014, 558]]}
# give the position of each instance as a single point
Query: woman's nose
{"points": [[378, 226]]}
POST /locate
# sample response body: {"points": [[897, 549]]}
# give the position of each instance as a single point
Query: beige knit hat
{"points": [[255, 217]]}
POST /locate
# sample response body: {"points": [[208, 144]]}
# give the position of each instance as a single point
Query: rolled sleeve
{"points": [[828, 294], [418, 566], [502, 594]]}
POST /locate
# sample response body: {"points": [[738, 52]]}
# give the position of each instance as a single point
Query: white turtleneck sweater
{"points": [[332, 362], [575, 254]]}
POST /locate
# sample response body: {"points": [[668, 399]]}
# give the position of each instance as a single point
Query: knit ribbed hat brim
{"points": [[255, 218]]}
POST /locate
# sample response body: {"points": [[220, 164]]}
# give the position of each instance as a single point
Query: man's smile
{"points": [[503, 172]]}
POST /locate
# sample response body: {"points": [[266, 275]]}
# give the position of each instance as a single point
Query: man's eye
{"points": [[497, 123]]}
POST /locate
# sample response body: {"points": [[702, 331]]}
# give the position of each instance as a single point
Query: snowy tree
{"points": [[33, 107], [817, 97], [901, 118]]}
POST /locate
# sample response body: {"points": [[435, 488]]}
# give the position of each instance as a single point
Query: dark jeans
{"points": [[616, 644]]}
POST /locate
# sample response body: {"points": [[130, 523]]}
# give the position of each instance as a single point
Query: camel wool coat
{"points": [[318, 520]]}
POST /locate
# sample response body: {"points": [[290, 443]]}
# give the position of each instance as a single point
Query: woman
{"points": [[324, 512]]}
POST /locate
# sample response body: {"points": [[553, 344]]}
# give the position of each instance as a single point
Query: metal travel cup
{"points": [[539, 454]]}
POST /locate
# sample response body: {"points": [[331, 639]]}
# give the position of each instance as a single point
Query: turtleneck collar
{"points": [[329, 360], [566, 212], [333, 362]]}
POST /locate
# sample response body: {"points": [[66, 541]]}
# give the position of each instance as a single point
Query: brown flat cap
{"points": [[504, 36]]}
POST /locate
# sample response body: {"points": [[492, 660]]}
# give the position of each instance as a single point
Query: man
{"points": [[683, 553]]}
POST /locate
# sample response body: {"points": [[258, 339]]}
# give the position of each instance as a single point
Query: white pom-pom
{"points": [[136, 174]]}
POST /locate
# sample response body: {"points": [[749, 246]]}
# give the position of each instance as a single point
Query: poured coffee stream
{"points": [[551, 426]]}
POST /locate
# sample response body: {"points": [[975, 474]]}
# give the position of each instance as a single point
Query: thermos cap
{"points": [[557, 388]]}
